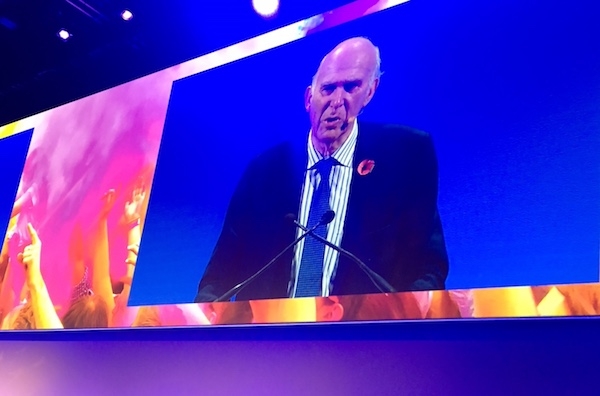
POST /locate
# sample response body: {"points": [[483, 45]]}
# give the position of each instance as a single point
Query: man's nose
{"points": [[337, 98]]}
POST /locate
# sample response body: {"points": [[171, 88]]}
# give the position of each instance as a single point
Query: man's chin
{"points": [[333, 132], [330, 135]]}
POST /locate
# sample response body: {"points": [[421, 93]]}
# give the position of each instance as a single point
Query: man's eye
{"points": [[349, 87], [328, 89]]}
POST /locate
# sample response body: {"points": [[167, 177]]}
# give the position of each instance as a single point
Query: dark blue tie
{"points": [[311, 265]]}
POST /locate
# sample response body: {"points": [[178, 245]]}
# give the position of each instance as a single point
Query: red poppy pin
{"points": [[365, 167]]}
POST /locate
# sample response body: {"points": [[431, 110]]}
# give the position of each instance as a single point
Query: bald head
{"points": [[343, 85], [357, 50]]}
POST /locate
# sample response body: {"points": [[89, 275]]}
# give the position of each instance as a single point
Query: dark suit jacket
{"points": [[392, 222]]}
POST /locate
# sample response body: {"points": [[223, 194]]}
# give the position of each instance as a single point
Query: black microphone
{"points": [[375, 278], [325, 219]]}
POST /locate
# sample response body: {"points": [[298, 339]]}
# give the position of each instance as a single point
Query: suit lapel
{"points": [[361, 187], [298, 158]]}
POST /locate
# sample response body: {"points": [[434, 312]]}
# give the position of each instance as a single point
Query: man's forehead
{"points": [[342, 73], [340, 59], [351, 62]]}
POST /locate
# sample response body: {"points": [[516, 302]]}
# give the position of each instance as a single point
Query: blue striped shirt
{"points": [[339, 180]]}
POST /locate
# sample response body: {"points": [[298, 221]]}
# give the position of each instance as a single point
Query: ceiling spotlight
{"points": [[63, 34], [266, 8], [126, 15]]}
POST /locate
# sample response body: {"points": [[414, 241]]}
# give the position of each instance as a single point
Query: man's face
{"points": [[343, 86]]}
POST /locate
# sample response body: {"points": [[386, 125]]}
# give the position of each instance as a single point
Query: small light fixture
{"points": [[63, 34], [266, 8], [126, 15]]}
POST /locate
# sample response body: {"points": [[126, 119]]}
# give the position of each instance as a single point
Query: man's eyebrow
{"points": [[341, 82], [325, 84]]}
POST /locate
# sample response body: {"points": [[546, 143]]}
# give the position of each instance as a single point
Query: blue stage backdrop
{"points": [[509, 91]]}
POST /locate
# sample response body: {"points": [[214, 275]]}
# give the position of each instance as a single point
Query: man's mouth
{"points": [[331, 120]]}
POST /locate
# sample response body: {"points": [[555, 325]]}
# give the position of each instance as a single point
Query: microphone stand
{"points": [[237, 288], [377, 279]]}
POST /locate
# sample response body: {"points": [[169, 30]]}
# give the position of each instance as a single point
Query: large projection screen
{"points": [[465, 177]]}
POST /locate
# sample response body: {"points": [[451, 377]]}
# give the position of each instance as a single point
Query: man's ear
{"points": [[307, 98], [371, 92], [212, 318], [334, 311], [337, 312], [209, 311]]}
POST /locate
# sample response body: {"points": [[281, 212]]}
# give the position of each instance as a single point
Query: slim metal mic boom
{"points": [[375, 278], [325, 219]]}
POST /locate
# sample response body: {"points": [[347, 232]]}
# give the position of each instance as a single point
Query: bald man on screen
{"points": [[380, 180]]}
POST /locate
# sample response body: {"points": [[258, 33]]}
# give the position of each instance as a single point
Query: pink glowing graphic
{"points": [[108, 141]]}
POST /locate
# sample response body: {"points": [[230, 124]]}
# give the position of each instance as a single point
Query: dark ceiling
{"points": [[39, 71]]}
